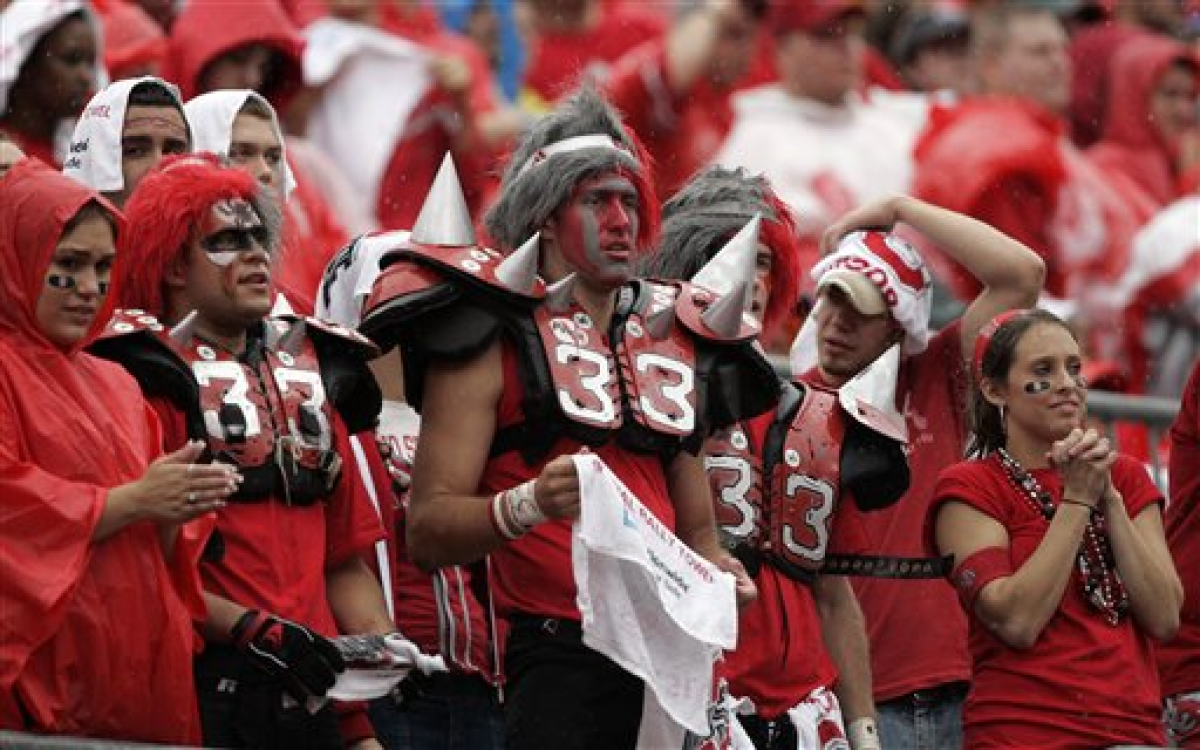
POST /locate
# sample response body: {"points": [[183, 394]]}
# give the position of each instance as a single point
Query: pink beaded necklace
{"points": [[1101, 583]]}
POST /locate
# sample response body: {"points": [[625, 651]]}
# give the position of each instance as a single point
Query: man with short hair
{"points": [[512, 378], [873, 293], [124, 132]]}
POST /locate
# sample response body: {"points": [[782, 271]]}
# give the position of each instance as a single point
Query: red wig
{"points": [[163, 215]]}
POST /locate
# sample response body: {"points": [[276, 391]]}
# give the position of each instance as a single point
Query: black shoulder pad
{"points": [[737, 381], [874, 468], [349, 383], [137, 344]]}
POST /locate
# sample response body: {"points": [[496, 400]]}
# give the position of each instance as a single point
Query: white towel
{"points": [[650, 604], [370, 82]]}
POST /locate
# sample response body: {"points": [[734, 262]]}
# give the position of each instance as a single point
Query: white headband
{"points": [[575, 143]]}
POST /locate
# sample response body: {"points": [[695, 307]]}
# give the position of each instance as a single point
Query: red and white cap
{"points": [[878, 272]]}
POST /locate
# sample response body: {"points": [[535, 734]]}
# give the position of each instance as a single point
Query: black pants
{"points": [[241, 706], [563, 695]]}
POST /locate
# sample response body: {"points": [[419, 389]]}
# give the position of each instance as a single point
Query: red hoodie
{"points": [[1133, 152], [96, 639]]}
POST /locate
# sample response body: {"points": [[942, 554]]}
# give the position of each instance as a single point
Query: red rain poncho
{"points": [[96, 638]]}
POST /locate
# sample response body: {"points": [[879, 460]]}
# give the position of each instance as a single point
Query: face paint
{"points": [[231, 227], [1037, 386], [598, 229]]}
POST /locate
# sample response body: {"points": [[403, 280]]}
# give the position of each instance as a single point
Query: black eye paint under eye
{"points": [[1034, 387], [62, 281]]}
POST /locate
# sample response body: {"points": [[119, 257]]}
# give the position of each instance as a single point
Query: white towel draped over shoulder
{"points": [[650, 604]]}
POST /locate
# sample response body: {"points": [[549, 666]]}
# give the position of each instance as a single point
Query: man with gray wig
{"points": [[514, 374]]}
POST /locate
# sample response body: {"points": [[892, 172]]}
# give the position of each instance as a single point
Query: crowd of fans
{"points": [[221, 197]]}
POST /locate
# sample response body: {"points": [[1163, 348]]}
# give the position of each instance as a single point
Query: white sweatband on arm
{"points": [[863, 734]]}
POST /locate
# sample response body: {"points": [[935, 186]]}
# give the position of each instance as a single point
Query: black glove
{"points": [[306, 664]]}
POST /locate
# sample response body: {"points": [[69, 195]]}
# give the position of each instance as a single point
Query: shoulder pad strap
{"points": [[690, 306], [791, 395], [474, 265]]}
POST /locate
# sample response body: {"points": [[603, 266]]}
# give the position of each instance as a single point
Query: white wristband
{"points": [[500, 520], [863, 734], [523, 505]]}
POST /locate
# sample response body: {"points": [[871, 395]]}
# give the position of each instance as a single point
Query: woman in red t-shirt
{"points": [[1060, 557]]}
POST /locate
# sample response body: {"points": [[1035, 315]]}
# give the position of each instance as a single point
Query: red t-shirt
{"points": [[559, 60], [681, 131], [916, 629], [534, 574], [780, 656], [275, 554], [1085, 683], [1179, 660]]}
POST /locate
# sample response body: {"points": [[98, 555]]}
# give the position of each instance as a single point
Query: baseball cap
{"points": [[810, 15], [861, 291], [932, 27]]}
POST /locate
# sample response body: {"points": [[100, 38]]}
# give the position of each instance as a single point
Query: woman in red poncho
{"points": [[98, 567], [1060, 558]]}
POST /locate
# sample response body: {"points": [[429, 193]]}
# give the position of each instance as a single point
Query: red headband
{"points": [[984, 339]]}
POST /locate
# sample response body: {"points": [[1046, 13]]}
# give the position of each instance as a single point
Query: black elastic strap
{"points": [[880, 566]]}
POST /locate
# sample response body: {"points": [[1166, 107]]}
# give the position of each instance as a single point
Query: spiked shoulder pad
{"points": [[695, 306], [476, 265]]}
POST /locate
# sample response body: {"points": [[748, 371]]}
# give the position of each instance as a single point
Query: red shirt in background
{"points": [[682, 131], [1179, 660], [558, 60]]}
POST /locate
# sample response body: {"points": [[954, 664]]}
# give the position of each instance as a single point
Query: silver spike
{"points": [[519, 271], [658, 324], [444, 218], [734, 264], [561, 294], [724, 315], [281, 307], [185, 330]]}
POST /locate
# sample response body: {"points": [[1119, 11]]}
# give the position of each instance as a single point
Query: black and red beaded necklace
{"points": [[1101, 583]]}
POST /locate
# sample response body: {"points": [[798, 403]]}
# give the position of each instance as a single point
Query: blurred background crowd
{"points": [[1071, 125]]}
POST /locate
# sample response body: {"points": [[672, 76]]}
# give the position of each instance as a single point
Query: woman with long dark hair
{"points": [[1059, 553]]}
